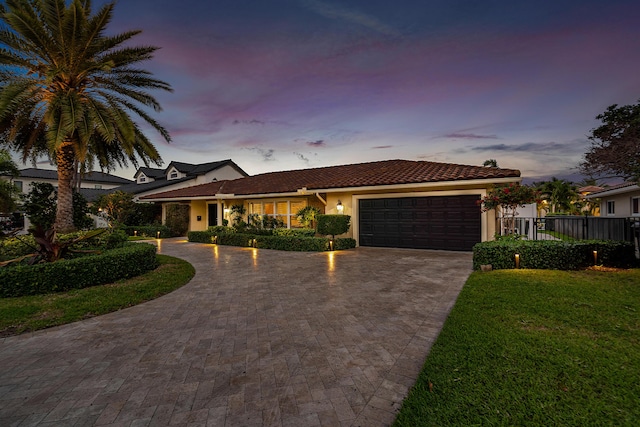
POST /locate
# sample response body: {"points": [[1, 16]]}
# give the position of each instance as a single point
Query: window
{"points": [[611, 207], [142, 179], [98, 187], [173, 175], [18, 184], [635, 206], [284, 210]]}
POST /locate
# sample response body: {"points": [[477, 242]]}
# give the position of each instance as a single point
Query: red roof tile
{"points": [[389, 172]]}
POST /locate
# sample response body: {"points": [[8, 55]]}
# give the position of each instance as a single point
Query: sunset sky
{"points": [[289, 84]]}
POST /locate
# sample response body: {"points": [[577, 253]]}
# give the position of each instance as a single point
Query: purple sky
{"points": [[288, 84]]}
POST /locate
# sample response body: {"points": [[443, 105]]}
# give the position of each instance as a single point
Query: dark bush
{"points": [[147, 230], [332, 225], [294, 232], [108, 267], [283, 243], [555, 255]]}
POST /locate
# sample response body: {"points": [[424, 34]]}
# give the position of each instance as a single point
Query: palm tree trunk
{"points": [[65, 159]]}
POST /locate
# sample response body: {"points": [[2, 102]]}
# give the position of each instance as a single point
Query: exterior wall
{"points": [[198, 209], [622, 205]]}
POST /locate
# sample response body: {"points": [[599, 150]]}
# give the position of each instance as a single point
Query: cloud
{"points": [[457, 135], [531, 147], [248, 122], [302, 157], [381, 147], [350, 16], [318, 143], [267, 154]]}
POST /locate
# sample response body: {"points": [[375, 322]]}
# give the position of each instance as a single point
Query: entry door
{"points": [[213, 214]]}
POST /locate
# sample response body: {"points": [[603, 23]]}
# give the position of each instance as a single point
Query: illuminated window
{"points": [[284, 210]]}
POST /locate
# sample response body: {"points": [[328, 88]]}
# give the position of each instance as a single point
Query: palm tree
{"points": [[560, 193], [67, 90]]}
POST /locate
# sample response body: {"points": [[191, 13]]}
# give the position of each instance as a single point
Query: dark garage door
{"points": [[443, 222]]}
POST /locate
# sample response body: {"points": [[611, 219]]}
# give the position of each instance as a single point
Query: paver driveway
{"points": [[258, 337]]}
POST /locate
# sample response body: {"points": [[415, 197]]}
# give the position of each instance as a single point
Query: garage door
{"points": [[444, 222]]}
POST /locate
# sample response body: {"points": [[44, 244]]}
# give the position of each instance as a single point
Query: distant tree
{"points": [[615, 145], [115, 206], [39, 205], [8, 191], [68, 89], [491, 163], [560, 194]]}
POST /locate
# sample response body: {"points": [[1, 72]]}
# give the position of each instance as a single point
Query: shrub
{"points": [[330, 225], [294, 232], [555, 255], [110, 266], [220, 229], [147, 230], [178, 219], [15, 247], [282, 243]]}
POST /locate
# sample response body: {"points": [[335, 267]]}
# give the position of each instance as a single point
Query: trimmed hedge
{"points": [[282, 243], [108, 267], [294, 232], [331, 225], [554, 255], [147, 230]]}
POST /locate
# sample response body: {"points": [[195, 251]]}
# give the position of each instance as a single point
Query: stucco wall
{"points": [[622, 205], [198, 209]]}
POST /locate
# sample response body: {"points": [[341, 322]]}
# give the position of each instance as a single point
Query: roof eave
{"points": [[613, 192]]}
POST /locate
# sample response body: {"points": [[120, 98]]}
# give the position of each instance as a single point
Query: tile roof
{"points": [[389, 172]]}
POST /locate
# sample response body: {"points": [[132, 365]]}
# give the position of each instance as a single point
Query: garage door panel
{"points": [[439, 222]]}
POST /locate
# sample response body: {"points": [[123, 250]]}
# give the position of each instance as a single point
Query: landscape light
{"points": [[517, 260]]}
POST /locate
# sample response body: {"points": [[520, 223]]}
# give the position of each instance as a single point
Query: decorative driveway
{"points": [[258, 337]]}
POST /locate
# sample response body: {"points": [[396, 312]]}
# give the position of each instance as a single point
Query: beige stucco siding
{"points": [[198, 209], [623, 204]]}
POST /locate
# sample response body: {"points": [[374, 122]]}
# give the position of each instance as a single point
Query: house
{"points": [[180, 175], [618, 201], [92, 184], [393, 203]]}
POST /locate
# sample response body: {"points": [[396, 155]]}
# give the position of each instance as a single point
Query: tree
{"points": [[40, 206], [7, 189], [68, 90], [116, 206], [559, 193], [615, 145], [509, 198], [491, 163]]}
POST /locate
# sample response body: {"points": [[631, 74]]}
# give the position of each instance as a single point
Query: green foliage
{"points": [[509, 197], [39, 204], [81, 220], [294, 232], [8, 192], [307, 216], [283, 243], [177, 219], [147, 231], [557, 255], [120, 263], [15, 247], [534, 348], [330, 225], [220, 229], [561, 195], [615, 144], [116, 206], [31, 313], [69, 88]]}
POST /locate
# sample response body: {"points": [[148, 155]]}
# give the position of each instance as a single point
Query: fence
{"points": [[573, 227]]}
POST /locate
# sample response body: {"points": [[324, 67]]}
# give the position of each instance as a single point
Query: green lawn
{"points": [[18, 315], [537, 348]]}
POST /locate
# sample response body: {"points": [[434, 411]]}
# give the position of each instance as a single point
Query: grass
{"points": [[536, 348], [26, 314]]}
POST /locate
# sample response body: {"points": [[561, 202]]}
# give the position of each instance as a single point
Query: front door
{"points": [[213, 214]]}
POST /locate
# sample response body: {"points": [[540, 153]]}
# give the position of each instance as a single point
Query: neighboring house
{"points": [[180, 175], [618, 201], [394, 203]]}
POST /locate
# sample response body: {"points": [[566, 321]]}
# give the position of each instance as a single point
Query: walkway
{"points": [[258, 337]]}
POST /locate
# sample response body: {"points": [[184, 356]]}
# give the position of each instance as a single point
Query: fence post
{"points": [[585, 227]]}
